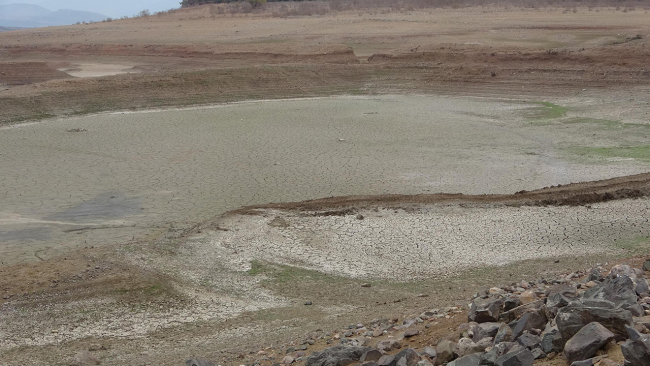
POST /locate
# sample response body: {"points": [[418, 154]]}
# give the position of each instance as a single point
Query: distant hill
{"points": [[5, 29], [32, 16]]}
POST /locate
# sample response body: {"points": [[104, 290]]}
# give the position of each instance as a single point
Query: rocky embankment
{"points": [[585, 318], [582, 319]]}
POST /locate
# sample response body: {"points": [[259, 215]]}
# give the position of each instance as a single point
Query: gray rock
{"points": [[335, 356], [538, 353], [424, 363], [636, 310], [429, 352], [552, 340], [84, 358], [570, 319], [561, 295], [619, 290], [486, 330], [466, 346], [469, 360], [587, 362], [528, 321], [385, 360], [411, 333], [198, 362], [372, 355], [485, 310], [446, 351], [637, 351], [516, 357], [504, 334], [516, 313], [594, 276], [641, 287], [586, 342], [388, 345], [490, 358], [646, 265], [622, 270], [530, 341], [511, 303], [407, 357]]}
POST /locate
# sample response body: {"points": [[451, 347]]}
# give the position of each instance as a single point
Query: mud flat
{"points": [[120, 177]]}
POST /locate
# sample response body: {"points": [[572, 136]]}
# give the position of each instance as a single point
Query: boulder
{"points": [[518, 312], [646, 265], [594, 276], [466, 346], [486, 330], [622, 270], [388, 345], [198, 362], [429, 352], [528, 296], [385, 360], [84, 358], [407, 357], [586, 342], [336, 356], [446, 351], [637, 351], [559, 296], [530, 341], [489, 358], [528, 321], [552, 340], [372, 355], [570, 319], [485, 310], [538, 353], [469, 360], [518, 356], [619, 290], [511, 303], [641, 287], [504, 334]]}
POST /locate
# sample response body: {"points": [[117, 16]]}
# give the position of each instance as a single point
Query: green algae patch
{"points": [[547, 110], [641, 153]]}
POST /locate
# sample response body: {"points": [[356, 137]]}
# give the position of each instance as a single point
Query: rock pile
{"points": [[582, 316], [515, 325]]}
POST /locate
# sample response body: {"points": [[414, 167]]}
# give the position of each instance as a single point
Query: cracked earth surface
{"points": [[123, 177]]}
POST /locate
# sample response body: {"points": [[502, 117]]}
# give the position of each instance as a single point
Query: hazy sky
{"points": [[113, 8]]}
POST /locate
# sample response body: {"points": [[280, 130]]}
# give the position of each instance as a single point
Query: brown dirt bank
{"points": [[451, 69], [584, 193]]}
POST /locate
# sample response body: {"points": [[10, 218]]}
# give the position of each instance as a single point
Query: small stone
{"points": [[646, 265], [288, 360], [527, 296], [587, 341], [96, 347], [198, 362], [308, 303], [85, 358], [411, 333], [366, 285]]}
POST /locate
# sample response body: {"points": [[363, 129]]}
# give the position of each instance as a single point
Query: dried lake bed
{"points": [[127, 176]]}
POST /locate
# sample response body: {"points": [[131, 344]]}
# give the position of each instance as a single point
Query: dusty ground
{"points": [[119, 209], [120, 178]]}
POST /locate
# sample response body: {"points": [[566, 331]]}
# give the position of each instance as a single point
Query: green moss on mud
{"points": [[641, 153], [547, 110], [281, 274]]}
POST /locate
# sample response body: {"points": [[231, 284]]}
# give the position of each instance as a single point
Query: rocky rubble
{"points": [[577, 319]]}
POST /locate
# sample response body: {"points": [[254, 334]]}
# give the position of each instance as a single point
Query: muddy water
{"points": [[130, 176]]}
